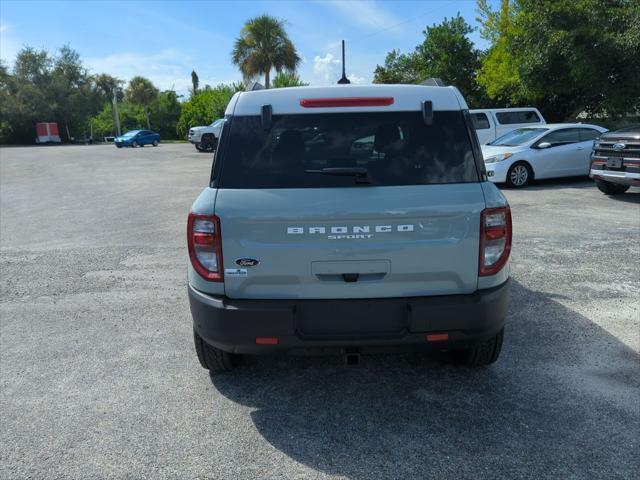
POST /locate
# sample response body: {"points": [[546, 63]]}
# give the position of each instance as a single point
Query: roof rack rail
{"points": [[254, 86]]}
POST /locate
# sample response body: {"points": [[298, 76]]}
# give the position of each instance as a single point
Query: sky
{"points": [[166, 40]]}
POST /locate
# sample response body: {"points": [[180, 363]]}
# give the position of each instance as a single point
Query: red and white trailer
{"points": [[47, 132]]}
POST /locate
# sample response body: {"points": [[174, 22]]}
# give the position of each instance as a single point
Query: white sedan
{"points": [[545, 151]]}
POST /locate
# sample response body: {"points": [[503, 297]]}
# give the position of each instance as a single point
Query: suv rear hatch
{"points": [[348, 205]]}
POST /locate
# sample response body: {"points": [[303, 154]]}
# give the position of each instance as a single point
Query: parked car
{"points": [[492, 123], [137, 138], [206, 138], [306, 242], [615, 161], [549, 151]]}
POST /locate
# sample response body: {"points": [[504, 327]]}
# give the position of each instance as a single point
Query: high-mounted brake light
{"points": [[205, 246], [495, 240], [346, 102]]}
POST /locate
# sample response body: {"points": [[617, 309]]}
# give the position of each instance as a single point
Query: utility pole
{"points": [[116, 117]]}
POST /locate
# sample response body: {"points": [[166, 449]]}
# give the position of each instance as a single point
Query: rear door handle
{"points": [[580, 148]]}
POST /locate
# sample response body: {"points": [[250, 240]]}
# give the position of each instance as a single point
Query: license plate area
{"points": [[351, 318], [613, 162]]}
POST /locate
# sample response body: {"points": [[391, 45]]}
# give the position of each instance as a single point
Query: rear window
{"points": [[480, 121], [511, 118], [395, 148]]}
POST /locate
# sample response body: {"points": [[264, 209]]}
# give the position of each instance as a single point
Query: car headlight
{"points": [[498, 158]]}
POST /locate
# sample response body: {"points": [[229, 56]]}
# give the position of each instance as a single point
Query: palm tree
{"points": [[142, 92], [263, 44]]}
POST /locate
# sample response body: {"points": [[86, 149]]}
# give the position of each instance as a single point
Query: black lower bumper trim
{"points": [[233, 325]]}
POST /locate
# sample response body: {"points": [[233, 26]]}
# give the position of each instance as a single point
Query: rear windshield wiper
{"points": [[361, 174]]}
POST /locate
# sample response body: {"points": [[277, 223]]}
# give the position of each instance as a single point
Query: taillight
{"points": [[495, 239], [346, 102], [205, 246]]}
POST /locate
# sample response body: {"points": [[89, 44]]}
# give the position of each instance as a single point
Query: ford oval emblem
{"points": [[247, 262], [619, 146]]}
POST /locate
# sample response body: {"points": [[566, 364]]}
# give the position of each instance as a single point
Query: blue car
{"points": [[138, 138]]}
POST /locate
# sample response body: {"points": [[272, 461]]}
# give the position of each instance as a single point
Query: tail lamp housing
{"points": [[495, 240], [205, 246]]}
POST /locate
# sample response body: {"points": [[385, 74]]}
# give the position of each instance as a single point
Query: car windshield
{"points": [[519, 136], [330, 150], [217, 122], [132, 133]]}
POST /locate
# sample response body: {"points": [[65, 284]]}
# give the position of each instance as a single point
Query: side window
{"points": [[566, 136], [480, 121], [523, 116], [587, 134]]}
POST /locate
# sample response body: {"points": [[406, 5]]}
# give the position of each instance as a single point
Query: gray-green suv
{"points": [[348, 218]]}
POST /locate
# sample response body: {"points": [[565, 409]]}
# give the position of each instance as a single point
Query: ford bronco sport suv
{"points": [[348, 218]]}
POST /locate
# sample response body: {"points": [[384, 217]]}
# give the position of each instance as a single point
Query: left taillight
{"points": [[205, 246], [495, 240]]}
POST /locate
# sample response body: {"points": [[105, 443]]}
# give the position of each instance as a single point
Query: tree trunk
{"points": [[266, 78], [146, 112]]}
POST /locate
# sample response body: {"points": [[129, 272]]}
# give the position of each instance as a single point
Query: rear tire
{"points": [[609, 188], [519, 175], [155, 143], [208, 142], [212, 358], [481, 354]]}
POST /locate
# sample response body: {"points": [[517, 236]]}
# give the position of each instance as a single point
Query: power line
{"points": [[403, 22]]}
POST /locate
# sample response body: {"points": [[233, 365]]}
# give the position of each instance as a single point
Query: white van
{"points": [[492, 123]]}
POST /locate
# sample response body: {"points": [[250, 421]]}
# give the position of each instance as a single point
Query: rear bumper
{"points": [[233, 325], [623, 178]]}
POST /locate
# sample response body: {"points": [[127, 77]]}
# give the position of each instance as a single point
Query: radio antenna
{"points": [[344, 80]]}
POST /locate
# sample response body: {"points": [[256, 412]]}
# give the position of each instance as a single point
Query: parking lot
{"points": [[99, 378]]}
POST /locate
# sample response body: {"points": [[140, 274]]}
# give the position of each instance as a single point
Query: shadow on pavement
{"points": [[631, 196], [561, 402]]}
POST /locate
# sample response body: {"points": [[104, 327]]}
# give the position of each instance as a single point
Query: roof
{"points": [[287, 100], [509, 109], [568, 125]]}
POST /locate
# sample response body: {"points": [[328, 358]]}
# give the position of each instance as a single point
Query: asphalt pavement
{"points": [[99, 379]]}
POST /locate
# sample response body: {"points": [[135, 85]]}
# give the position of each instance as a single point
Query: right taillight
{"points": [[205, 246], [495, 239]]}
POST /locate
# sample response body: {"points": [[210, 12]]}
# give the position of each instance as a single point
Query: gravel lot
{"points": [[99, 379]]}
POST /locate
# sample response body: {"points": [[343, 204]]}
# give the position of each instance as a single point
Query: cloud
{"points": [[366, 14], [356, 80], [326, 68], [168, 69]]}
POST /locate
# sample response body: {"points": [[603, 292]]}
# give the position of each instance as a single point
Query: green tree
{"points": [[399, 68], [165, 112], [263, 45], [106, 86], [446, 52], [71, 93], [565, 57], [142, 92], [132, 117], [286, 79], [205, 107]]}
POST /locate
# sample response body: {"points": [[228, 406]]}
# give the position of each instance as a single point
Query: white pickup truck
{"points": [[205, 138], [492, 123]]}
